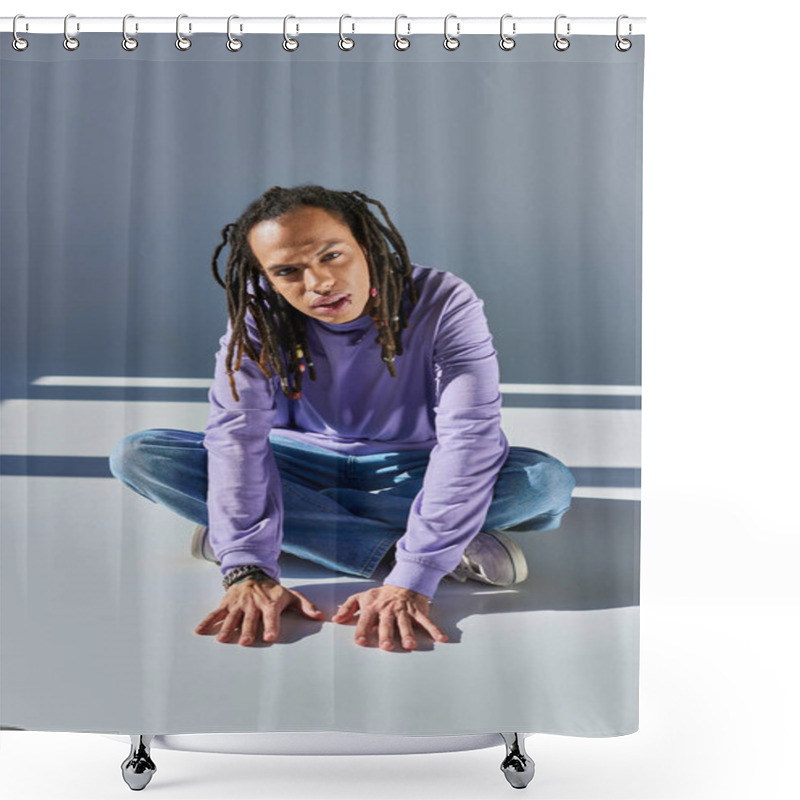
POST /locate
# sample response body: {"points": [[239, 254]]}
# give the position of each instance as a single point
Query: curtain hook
{"points": [[451, 42], [182, 43], [233, 44], [400, 42], [344, 42], [288, 42], [128, 42], [507, 42], [70, 42], [18, 43], [623, 45], [560, 44]]}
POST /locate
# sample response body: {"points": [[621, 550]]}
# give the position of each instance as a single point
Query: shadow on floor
{"points": [[590, 562]]}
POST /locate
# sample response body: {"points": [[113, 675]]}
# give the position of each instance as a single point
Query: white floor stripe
{"points": [[569, 388], [203, 383], [114, 382], [579, 437], [17, 483], [609, 492]]}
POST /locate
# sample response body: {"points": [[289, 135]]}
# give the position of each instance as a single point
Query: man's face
{"points": [[309, 255]]}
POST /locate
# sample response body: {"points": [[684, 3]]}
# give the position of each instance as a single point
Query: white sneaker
{"points": [[492, 557], [200, 545]]}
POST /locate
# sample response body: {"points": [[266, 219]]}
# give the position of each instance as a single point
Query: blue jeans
{"points": [[331, 515]]}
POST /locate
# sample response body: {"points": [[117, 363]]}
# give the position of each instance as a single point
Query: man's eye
{"points": [[282, 273]]}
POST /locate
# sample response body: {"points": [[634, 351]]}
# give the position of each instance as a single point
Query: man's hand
{"points": [[384, 607], [249, 601]]}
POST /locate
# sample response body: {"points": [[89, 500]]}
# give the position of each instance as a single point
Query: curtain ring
{"points": [[560, 44], [18, 43], [344, 42], [288, 42], [128, 42], [506, 42], [182, 43], [70, 42], [233, 44], [401, 43], [451, 42], [623, 45]]}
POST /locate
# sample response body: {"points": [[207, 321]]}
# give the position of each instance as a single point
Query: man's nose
{"points": [[318, 278]]}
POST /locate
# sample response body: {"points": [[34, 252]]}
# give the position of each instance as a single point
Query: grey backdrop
{"points": [[519, 171]]}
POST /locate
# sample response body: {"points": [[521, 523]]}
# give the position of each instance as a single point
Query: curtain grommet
{"points": [[623, 45], [345, 43], [561, 43], [18, 43], [70, 42], [181, 42], [128, 42], [233, 44], [401, 43], [507, 42], [451, 42], [289, 44]]}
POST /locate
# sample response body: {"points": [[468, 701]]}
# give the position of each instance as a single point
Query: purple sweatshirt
{"points": [[445, 398]]}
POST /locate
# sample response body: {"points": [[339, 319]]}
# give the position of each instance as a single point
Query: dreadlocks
{"points": [[281, 327]]}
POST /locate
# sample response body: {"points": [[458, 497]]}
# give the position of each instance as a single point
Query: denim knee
{"points": [[565, 480], [553, 474], [549, 474], [126, 453]]}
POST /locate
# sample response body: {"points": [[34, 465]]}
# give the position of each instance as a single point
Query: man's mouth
{"points": [[331, 307]]}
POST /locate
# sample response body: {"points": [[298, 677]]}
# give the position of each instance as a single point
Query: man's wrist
{"points": [[243, 573]]}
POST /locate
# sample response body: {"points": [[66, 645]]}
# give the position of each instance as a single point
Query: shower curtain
{"points": [[449, 453]]}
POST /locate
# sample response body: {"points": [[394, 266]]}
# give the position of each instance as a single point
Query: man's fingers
{"points": [[366, 620], [386, 630], [250, 627], [271, 616], [230, 625], [346, 609], [209, 621], [436, 632], [406, 630], [307, 607]]}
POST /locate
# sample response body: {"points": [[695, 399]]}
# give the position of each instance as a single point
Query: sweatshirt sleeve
{"points": [[450, 509], [245, 500]]}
